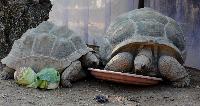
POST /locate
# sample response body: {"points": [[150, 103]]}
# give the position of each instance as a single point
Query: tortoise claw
{"points": [[182, 82]]}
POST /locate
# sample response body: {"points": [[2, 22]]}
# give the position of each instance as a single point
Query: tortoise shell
{"points": [[144, 27], [47, 45]]}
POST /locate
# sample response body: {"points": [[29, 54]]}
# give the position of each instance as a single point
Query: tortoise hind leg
{"points": [[122, 62], [7, 73], [72, 73], [172, 70]]}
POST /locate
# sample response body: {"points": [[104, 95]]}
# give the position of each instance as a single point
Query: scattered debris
{"points": [[101, 99]]}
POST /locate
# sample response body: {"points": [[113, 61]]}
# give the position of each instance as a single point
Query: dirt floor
{"points": [[83, 93]]}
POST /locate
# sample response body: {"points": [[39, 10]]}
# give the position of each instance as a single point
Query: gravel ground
{"points": [[84, 92]]}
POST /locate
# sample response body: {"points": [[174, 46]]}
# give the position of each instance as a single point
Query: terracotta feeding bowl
{"points": [[125, 78]]}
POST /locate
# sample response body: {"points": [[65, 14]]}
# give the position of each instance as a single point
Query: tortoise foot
{"points": [[182, 82]]}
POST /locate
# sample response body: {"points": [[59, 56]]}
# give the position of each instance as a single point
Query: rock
{"points": [[101, 99], [18, 16], [3, 44]]}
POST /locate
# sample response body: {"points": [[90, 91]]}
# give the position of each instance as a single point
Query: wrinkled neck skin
{"points": [[105, 50]]}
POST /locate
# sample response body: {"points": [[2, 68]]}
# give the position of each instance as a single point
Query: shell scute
{"points": [[43, 45]]}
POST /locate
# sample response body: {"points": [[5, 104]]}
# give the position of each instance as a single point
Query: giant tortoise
{"points": [[50, 46], [143, 41]]}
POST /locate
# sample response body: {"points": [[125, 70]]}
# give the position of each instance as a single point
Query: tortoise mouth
{"points": [[158, 48]]}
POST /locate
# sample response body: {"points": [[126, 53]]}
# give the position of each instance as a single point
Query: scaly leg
{"points": [[122, 62], [72, 73], [172, 70]]}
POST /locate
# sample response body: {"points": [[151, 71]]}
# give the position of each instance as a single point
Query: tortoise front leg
{"points": [[122, 62], [72, 73], [7, 73], [172, 70]]}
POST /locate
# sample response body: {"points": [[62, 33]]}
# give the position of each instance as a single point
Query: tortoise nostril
{"points": [[143, 67]]}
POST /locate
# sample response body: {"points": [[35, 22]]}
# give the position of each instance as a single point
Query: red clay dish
{"points": [[125, 78]]}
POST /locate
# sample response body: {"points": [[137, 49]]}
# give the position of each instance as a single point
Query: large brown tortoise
{"points": [[51, 46], [144, 41]]}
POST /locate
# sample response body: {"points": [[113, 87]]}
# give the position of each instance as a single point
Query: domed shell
{"points": [[145, 27], [46, 46]]}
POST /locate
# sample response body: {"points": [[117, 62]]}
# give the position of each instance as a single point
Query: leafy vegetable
{"points": [[47, 78]]}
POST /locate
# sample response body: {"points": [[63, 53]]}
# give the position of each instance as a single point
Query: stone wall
{"points": [[16, 16]]}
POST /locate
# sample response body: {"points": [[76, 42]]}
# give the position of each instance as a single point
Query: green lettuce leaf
{"points": [[25, 76]]}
